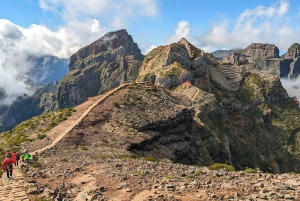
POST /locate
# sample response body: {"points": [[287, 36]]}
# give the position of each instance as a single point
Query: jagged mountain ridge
{"points": [[189, 108], [227, 93], [232, 101]]}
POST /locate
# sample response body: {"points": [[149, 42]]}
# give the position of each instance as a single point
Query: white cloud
{"points": [[18, 43], [117, 12], [146, 50], [261, 24], [292, 87], [182, 30]]}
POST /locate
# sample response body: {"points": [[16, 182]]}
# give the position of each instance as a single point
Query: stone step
{"points": [[13, 189]]}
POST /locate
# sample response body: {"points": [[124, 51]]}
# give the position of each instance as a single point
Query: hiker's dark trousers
{"points": [[8, 173], [17, 163]]}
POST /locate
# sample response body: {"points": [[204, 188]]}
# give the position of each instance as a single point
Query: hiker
{"points": [[27, 157], [8, 154], [7, 165], [17, 158]]}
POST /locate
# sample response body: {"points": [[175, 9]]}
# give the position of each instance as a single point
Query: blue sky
{"points": [[154, 22], [61, 27]]}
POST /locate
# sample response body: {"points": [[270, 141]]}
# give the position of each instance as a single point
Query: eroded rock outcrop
{"points": [[290, 65], [264, 57], [171, 65], [100, 66]]}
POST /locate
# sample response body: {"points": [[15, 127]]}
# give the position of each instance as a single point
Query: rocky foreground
{"points": [[139, 179]]}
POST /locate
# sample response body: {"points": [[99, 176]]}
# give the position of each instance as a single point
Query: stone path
{"points": [[13, 190]]}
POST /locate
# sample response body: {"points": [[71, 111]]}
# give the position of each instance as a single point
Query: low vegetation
{"points": [[169, 176], [175, 69], [63, 160], [41, 136], [221, 166], [84, 148], [36, 125], [251, 170], [190, 176]]}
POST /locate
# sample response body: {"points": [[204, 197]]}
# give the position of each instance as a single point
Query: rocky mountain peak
{"points": [[259, 50], [293, 52], [113, 43], [190, 48], [173, 64], [264, 57], [100, 66], [290, 65]]}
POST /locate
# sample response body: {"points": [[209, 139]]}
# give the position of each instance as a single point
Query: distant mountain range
{"points": [[43, 78]]}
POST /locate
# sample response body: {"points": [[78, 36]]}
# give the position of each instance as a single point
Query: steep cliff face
{"points": [[100, 66], [293, 52], [290, 65]]}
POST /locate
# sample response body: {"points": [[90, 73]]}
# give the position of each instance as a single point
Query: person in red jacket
{"points": [[7, 165]]}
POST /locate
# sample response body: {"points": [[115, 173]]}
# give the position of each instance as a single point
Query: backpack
{"points": [[27, 156], [8, 166], [8, 155]]}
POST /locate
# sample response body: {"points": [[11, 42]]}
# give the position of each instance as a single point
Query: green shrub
{"points": [[251, 170], [151, 159], [219, 166], [41, 136], [198, 172], [169, 176], [63, 160], [189, 176], [84, 148], [116, 104], [214, 176]]}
